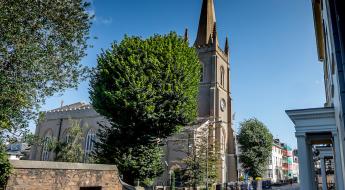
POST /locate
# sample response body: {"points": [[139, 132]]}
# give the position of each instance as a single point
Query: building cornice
{"points": [[313, 120]]}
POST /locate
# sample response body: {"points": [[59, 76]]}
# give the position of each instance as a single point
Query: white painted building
{"points": [[274, 170], [325, 125]]}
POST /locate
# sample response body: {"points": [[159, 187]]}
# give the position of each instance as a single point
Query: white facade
{"points": [[314, 127], [325, 126], [274, 171]]}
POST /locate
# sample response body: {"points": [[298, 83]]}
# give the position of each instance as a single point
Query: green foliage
{"points": [[173, 181], [147, 89], [71, 151], [41, 45], [135, 163], [5, 166], [148, 182], [143, 162], [201, 156], [256, 146]]}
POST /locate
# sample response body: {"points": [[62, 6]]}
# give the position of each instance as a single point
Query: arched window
{"points": [[222, 140], [46, 143], [66, 136], [89, 144], [222, 76]]}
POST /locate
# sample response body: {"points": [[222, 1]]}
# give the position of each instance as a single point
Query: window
{"points": [[66, 136], [222, 142], [222, 76], [89, 144], [202, 73], [45, 150]]}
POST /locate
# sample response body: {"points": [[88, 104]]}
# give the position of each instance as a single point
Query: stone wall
{"points": [[34, 175]]}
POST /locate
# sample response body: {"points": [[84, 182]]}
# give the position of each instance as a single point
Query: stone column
{"points": [[323, 173], [305, 160], [338, 164]]}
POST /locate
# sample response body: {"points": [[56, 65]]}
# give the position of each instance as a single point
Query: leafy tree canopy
{"points": [[147, 89], [256, 146], [41, 45], [135, 162]]}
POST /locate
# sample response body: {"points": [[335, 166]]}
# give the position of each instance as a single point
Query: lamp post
{"points": [[207, 157]]}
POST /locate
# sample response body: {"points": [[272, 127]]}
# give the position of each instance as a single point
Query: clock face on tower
{"points": [[222, 104]]}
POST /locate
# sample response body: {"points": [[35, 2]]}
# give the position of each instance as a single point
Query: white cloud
{"points": [[98, 19], [104, 20]]}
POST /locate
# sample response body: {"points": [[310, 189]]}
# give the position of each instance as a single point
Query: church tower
{"points": [[214, 95]]}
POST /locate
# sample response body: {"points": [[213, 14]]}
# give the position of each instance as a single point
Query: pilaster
{"points": [[338, 163], [305, 159], [323, 173]]}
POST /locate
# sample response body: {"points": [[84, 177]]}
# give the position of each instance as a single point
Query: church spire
{"points": [[206, 23], [215, 35]]}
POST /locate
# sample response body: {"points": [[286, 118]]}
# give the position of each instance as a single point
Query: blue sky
{"points": [[274, 63]]}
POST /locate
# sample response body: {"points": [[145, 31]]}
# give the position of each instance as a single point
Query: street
{"points": [[287, 187]]}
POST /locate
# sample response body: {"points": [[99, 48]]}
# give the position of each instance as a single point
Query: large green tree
{"points": [[256, 146], [148, 90], [41, 45]]}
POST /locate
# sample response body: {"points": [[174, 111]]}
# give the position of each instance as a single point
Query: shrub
{"points": [[5, 168]]}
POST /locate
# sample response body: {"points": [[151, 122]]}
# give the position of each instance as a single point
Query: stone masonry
{"points": [[33, 175]]}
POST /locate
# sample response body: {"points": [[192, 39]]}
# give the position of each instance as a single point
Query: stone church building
{"points": [[215, 110]]}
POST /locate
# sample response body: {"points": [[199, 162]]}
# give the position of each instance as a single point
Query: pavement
{"points": [[287, 187]]}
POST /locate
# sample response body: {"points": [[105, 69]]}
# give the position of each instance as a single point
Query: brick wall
{"points": [[34, 175]]}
